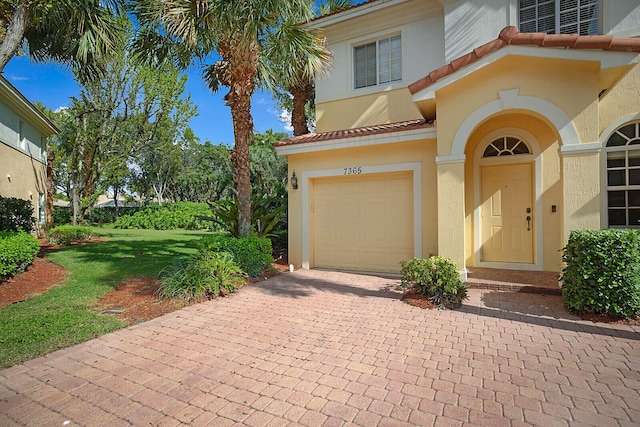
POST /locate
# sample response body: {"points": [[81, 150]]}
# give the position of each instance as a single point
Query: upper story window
{"points": [[560, 16], [378, 62], [623, 176]]}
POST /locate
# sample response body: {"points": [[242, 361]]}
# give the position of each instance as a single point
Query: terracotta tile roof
{"points": [[356, 132], [511, 36]]}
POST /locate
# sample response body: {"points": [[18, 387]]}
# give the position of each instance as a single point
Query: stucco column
{"points": [[581, 190], [451, 238]]}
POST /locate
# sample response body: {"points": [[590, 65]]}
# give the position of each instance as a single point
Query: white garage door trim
{"points": [[415, 167]]}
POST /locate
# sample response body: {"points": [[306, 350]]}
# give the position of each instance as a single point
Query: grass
{"points": [[62, 317]]}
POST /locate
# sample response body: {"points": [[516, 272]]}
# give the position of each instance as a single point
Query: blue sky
{"points": [[53, 85]]}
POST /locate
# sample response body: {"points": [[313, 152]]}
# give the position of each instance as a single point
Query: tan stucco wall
{"points": [[551, 183], [27, 176], [374, 109], [622, 100], [573, 88], [415, 151]]}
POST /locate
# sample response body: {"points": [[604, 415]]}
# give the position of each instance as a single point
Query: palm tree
{"points": [[297, 70], [72, 32], [242, 33]]}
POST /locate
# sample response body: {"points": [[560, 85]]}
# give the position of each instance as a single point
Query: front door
{"points": [[507, 227]]}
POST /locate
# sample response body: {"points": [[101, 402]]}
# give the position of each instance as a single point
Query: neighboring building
{"points": [[23, 149], [443, 129]]}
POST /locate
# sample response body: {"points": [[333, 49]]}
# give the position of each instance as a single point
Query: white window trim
{"points": [[533, 158], [415, 167]]}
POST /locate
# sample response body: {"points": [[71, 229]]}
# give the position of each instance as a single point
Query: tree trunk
{"points": [[14, 35], [242, 131], [50, 185], [301, 92]]}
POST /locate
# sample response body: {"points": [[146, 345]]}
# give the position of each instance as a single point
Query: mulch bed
{"points": [[135, 300]]}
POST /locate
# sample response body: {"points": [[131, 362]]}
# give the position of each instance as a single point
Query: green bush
{"points": [[66, 234], [16, 214], [206, 275], [268, 215], [17, 251], [252, 254], [602, 272], [61, 215], [168, 217], [435, 277]]}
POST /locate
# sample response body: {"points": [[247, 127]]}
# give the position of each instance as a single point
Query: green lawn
{"points": [[61, 317]]}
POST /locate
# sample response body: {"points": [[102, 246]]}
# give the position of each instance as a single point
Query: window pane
{"points": [[616, 198], [634, 157], [616, 159], [634, 198], [616, 178], [634, 176], [617, 217], [634, 217], [629, 131], [616, 140], [490, 151], [511, 143]]}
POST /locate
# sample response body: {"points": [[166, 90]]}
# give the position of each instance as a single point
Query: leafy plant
{"points": [[16, 214], [186, 215], [252, 254], [17, 251], [435, 277], [266, 215], [206, 275], [66, 234], [602, 272]]}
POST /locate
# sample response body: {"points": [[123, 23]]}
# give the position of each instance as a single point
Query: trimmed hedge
{"points": [[602, 272], [66, 234], [17, 251], [252, 254], [168, 217], [16, 214]]}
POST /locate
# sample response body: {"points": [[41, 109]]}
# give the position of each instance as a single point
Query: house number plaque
{"points": [[355, 170]]}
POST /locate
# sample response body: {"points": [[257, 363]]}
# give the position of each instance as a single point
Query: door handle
{"points": [[528, 223]]}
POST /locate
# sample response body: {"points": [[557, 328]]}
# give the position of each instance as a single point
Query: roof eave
{"points": [[605, 59], [352, 13], [12, 96]]}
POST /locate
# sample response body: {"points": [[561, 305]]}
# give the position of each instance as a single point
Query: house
{"points": [[482, 131], [23, 149]]}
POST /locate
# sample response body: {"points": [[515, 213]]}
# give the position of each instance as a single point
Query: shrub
{"points": [[435, 277], [16, 215], [17, 251], [602, 272], [61, 215], [206, 275], [168, 217], [66, 234], [252, 254], [268, 215]]}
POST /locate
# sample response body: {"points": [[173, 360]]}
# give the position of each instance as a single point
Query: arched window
{"points": [[623, 176], [506, 146]]}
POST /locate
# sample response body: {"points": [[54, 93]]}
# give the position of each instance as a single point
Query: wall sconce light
{"points": [[294, 181], [9, 177]]}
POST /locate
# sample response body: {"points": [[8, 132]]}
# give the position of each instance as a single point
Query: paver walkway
{"points": [[315, 348]]}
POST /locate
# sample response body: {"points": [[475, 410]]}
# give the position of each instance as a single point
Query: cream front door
{"points": [[506, 214]]}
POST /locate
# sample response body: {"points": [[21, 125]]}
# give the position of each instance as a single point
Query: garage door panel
{"points": [[363, 222]]}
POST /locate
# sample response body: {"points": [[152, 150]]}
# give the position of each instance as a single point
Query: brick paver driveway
{"points": [[322, 348]]}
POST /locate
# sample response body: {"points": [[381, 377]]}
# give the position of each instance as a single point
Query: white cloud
{"points": [[15, 78], [285, 117], [60, 109]]}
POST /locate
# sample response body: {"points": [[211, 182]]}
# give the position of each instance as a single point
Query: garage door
{"points": [[363, 222]]}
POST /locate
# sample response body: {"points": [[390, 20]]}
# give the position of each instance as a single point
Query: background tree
{"points": [[238, 33]]}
